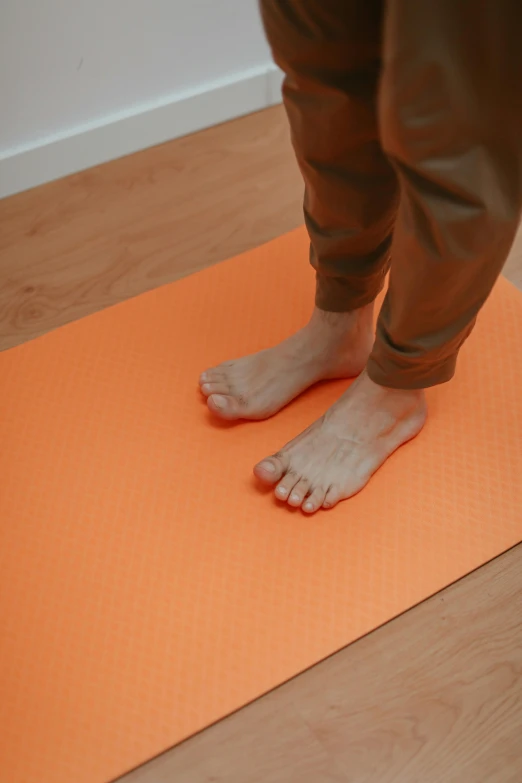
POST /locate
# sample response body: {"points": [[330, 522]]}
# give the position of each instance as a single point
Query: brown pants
{"points": [[406, 118]]}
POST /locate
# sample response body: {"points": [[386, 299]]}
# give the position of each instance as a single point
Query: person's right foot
{"points": [[331, 345]]}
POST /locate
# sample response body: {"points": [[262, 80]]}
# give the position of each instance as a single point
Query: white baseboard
{"points": [[146, 126]]}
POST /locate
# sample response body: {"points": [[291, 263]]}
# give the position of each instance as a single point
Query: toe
{"points": [[314, 501], [212, 375], [286, 485], [210, 387], [333, 496], [224, 406], [299, 493], [270, 469]]}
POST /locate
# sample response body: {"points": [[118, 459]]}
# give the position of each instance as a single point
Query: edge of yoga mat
{"points": [[309, 668]]}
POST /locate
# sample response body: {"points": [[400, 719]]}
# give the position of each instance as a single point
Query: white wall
{"points": [[69, 68]]}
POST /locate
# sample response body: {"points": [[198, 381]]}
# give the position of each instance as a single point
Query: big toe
{"points": [[224, 406], [269, 470]]}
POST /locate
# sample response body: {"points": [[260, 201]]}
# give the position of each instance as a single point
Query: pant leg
{"points": [[451, 122], [330, 51]]}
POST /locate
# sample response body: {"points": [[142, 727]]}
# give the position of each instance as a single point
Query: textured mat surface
{"points": [[147, 587]]}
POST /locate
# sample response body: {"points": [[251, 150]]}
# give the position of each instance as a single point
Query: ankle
{"points": [[344, 321], [399, 398]]}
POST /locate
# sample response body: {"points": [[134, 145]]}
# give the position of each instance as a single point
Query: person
{"points": [[406, 119]]}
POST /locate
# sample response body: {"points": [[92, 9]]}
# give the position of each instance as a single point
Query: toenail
{"points": [[294, 497], [219, 401], [308, 506], [268, 466], [203, 377], [282, 492]]}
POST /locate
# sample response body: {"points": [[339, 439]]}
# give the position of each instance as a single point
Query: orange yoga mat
{"points": [[147, 586]]}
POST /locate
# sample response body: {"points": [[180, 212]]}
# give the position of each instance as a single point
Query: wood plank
{"points": [[77, 245]]}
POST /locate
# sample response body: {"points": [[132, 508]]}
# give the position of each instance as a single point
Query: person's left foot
{"points": [[337, 455]]}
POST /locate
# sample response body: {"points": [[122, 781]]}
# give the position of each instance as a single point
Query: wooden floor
{"points": [[435, 696]]}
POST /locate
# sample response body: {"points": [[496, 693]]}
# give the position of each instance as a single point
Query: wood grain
{"points": [[73, 246], [434, 696]]}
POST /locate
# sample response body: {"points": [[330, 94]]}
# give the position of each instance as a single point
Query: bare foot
{"points": [[331, 345], [337, 455]]}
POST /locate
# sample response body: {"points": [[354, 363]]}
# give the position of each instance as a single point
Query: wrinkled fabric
{"points": [[406, 120]]}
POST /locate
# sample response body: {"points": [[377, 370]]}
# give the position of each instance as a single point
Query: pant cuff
{"points": [[341, 295], [398, 373]]}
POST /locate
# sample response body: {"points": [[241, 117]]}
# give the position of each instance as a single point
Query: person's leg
{"points": [[451, 118], [451, 115], [330, 53]]}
